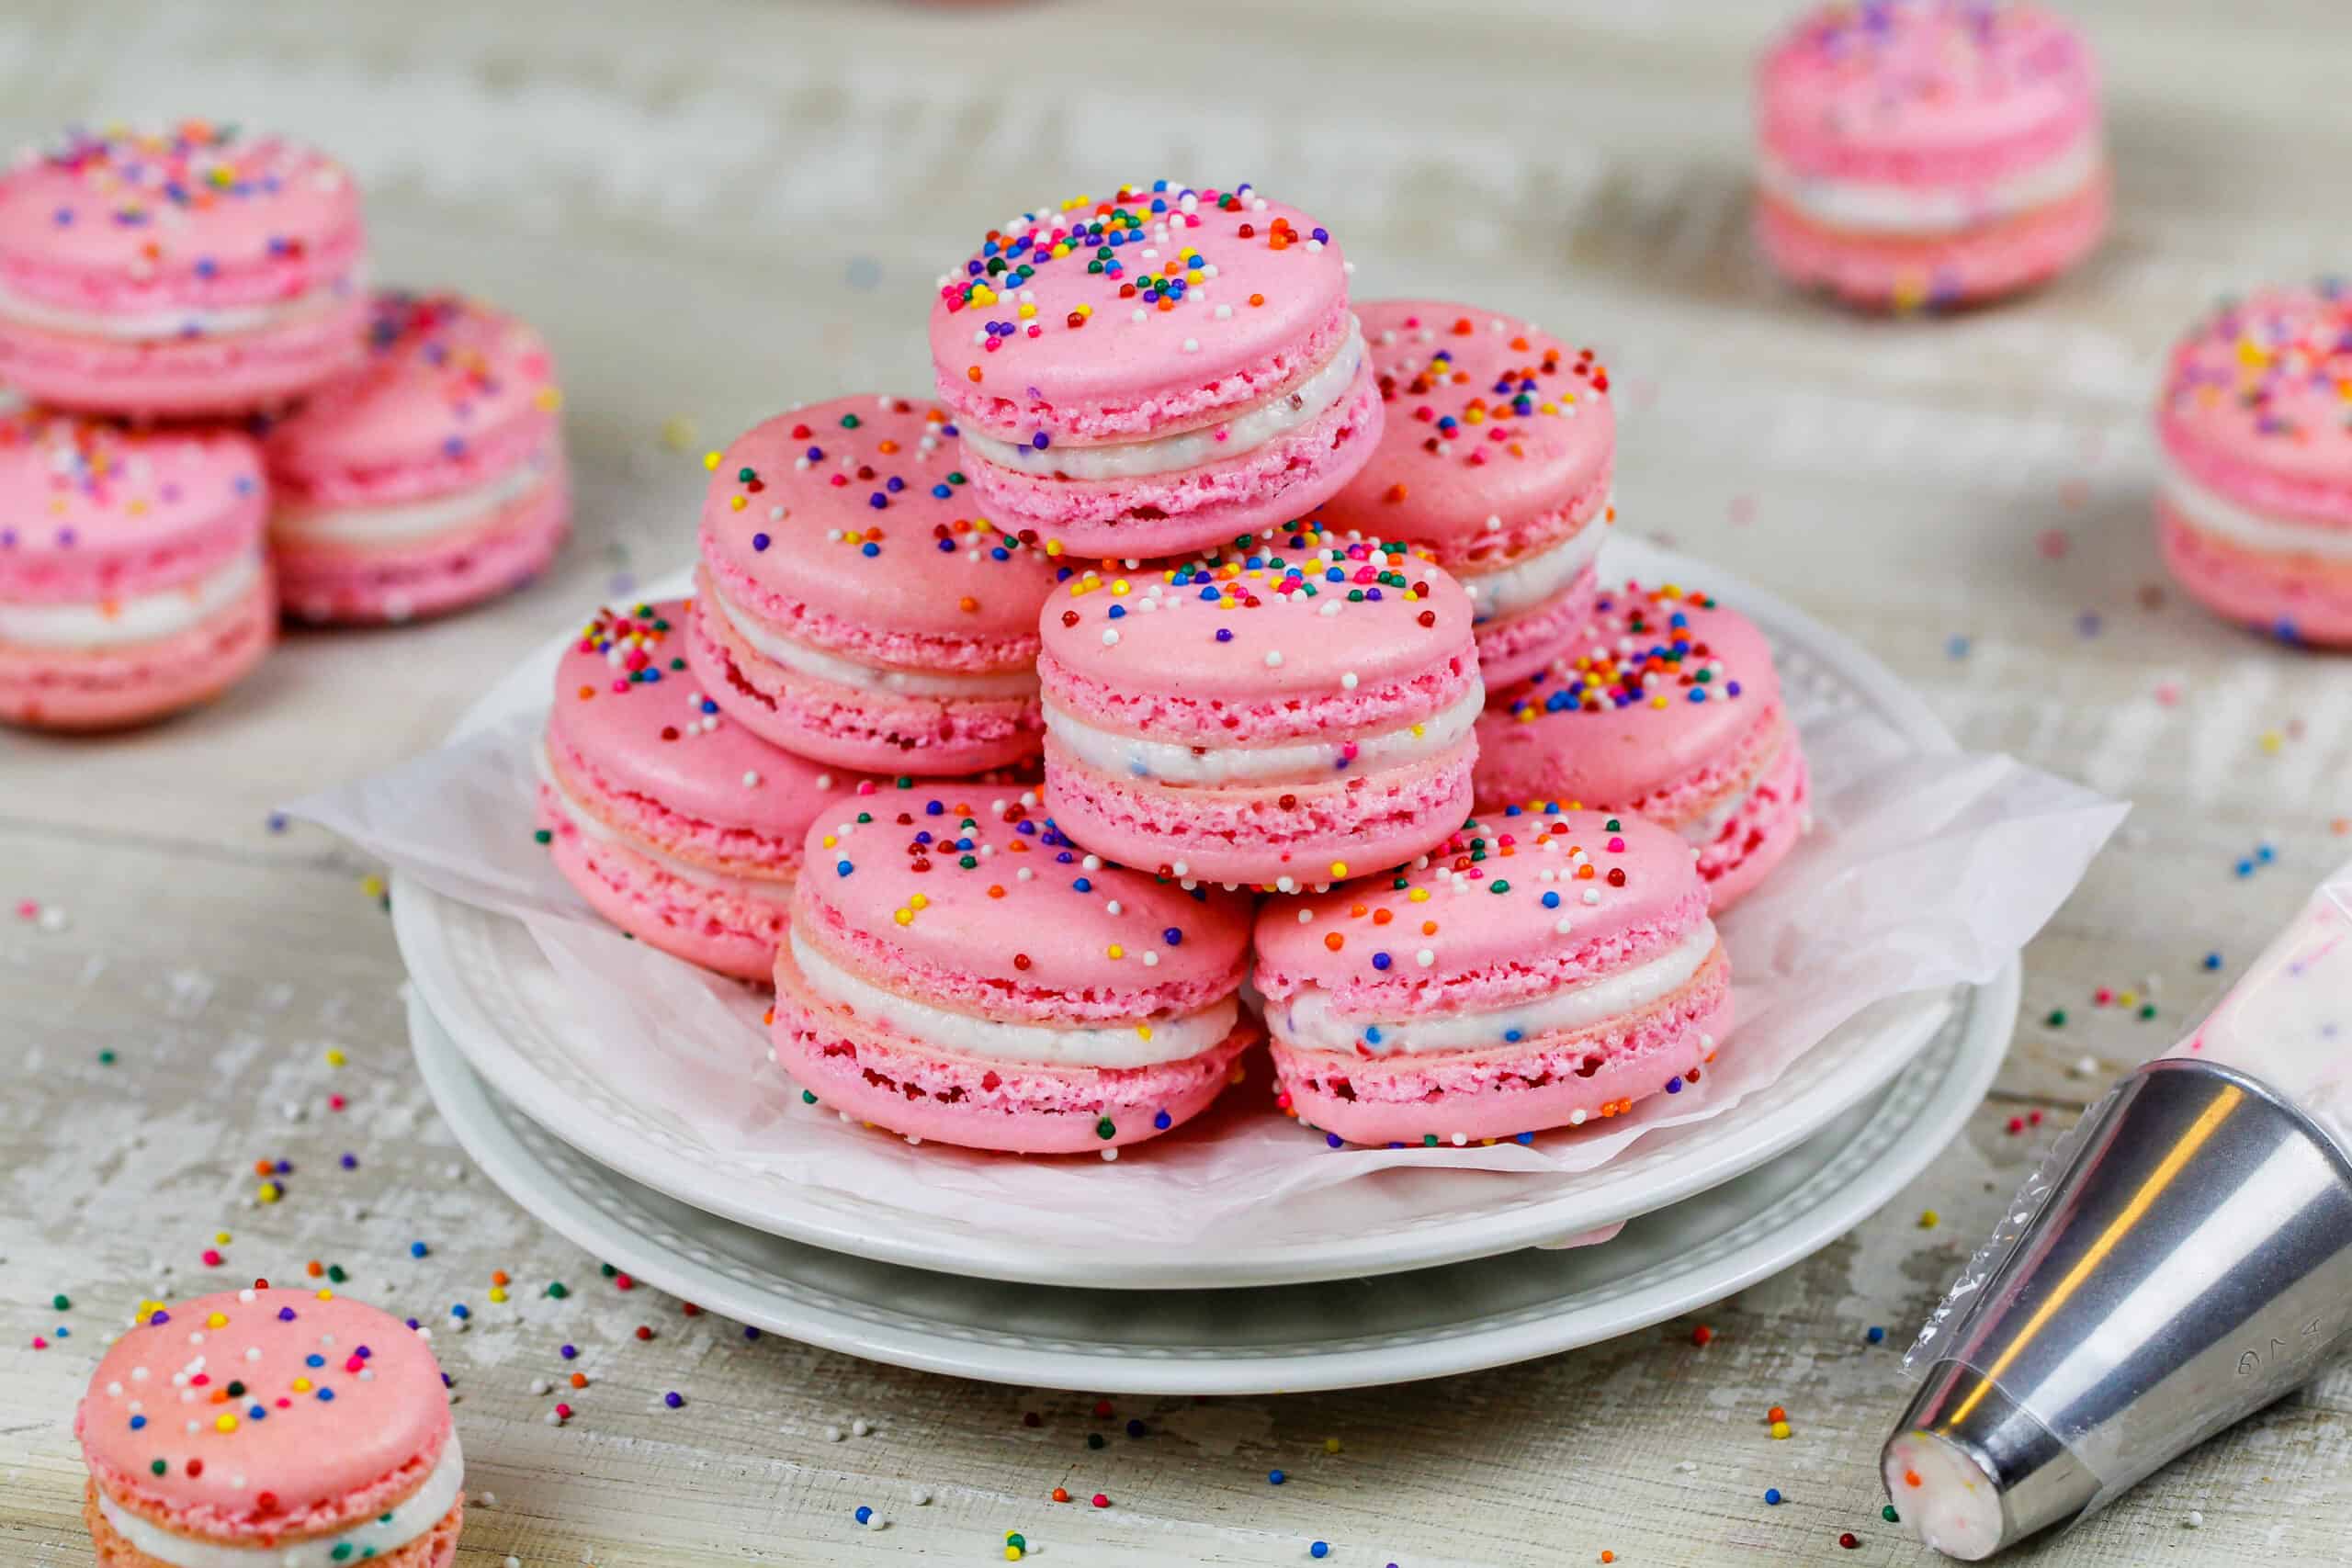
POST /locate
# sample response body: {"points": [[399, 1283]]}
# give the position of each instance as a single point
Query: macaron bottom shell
{"points": [[852, 727], [344, 585], [437, 1548], [1883, 272], [1572, 1078], [732, 925], [1290, 835], [49, 688], [901, 1086], [177, 377], [2296, 598]]}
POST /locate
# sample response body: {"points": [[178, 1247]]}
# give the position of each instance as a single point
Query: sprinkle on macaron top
{"points": [[91, 490], [2269, 377]]}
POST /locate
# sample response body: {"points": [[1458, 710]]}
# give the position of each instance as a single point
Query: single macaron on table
{"points": [[133, 579], [1547, 972], [1671, 711], [292, 1428], [1930, 153], [676, 824], [1498, 454], [1273, 714], [197, 270], [2254, 504], [854, 607], [430, 477], [958, 970], [1155, 373]]}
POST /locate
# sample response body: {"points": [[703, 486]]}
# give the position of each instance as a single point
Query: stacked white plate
{"points": [[1448, 1271]]}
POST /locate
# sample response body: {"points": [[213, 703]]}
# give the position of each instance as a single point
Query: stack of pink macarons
{"points": [[194, 300], [1194, 617]]}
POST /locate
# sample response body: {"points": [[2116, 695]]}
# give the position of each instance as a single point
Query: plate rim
{"points": [[838, 1221], [464, 1102]]}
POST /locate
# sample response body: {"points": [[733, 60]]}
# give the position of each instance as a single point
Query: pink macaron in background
{"points": [[855, 606], [1672, 710], [1155, 373], [297, 1428], [2254, 504], [676, 823], [198, 270], [1543, 972], [1498, 454], [1921, 152], [1289, 712], [958, 970], [429, 478], [133, 578]]}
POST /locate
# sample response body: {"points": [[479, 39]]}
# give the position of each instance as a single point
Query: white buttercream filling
{"points": [[1303, 762], [1878, 208], [1252, 427], [2217, 514], [772, 890], [145, 618], [1524, 584], [411, 520], [226, 321], [1309, 1022], [406, 1521], [821, 665], [1137, 1044]]}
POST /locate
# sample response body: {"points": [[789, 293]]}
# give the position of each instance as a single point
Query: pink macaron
{"points": [[852, 605], [1156, 373], [296, 1428], [1532, 975], [1671, 709], [430, 477], [1930, 151], [678, 824], [197, 270], [133, 578], [958, 970], [1497, 453], [1270, 714], [2255, 506]]}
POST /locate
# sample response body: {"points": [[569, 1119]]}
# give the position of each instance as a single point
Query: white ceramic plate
{"points": [[1340, 1333], [487, 982]]}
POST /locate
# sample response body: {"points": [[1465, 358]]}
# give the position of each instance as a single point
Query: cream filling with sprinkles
{"points": [[1140, 1044], [408, 1519], [150, 326], [122, 623], [1310, 1023], [410, 520], [1303, 761], [1876, 208], [2226, 519], [1524, 584], [772, 889], [1254, 426], [801, 659]]}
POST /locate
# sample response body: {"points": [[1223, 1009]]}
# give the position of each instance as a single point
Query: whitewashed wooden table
{"points": [[719, 209]]}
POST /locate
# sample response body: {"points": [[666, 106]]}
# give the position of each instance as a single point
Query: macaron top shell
{"points": [[1664, 680], [448, 382], [626, 703], [1490, 423], [1302, 614], [1895, 79], [1160, 284], [332, 1397], [1525, 893], [956, 877], [84, 501], [2262, 382], [858, 509], [200, 215]]}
